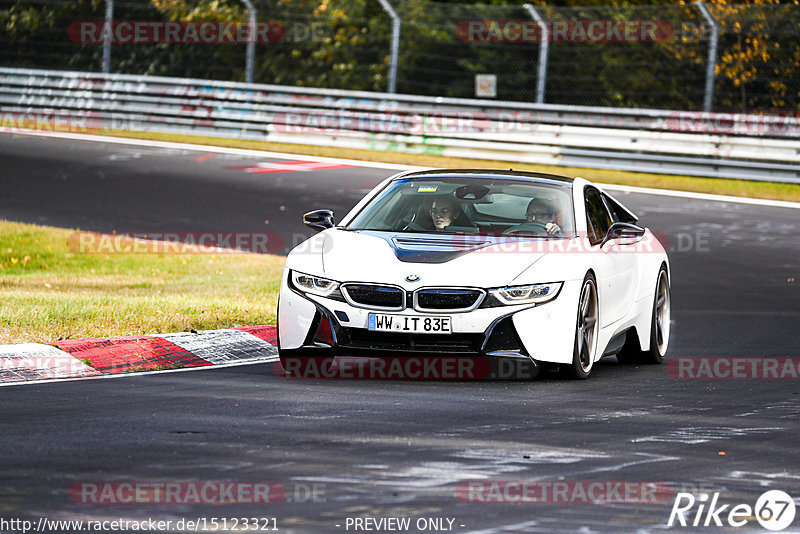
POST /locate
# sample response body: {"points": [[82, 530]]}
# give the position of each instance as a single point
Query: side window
{"points": [[618, 212], [597, 217]]}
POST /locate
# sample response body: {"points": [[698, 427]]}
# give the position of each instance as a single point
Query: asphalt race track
{"points": [[368, 448]]}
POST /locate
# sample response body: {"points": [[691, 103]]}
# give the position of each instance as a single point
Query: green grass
{"points": [[87, 362], [719, 186], [49, 292]]}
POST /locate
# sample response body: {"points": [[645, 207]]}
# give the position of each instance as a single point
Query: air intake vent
{"points": [[446, 299], [361, 339], [375, 296], [445, 243]]}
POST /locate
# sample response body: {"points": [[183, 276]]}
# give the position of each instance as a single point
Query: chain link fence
{"points": [[655, 56]]}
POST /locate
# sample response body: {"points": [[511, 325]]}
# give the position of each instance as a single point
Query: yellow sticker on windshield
{"points": [[428, 189]]}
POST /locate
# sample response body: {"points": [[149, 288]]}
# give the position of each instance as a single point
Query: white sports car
{"points": [[495, 264]]}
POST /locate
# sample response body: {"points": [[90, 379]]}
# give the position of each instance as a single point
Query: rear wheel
{"points": [[659, 327], [586, 329]]}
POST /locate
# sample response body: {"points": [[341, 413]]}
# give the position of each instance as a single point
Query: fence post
{"points": [[108, 31], [544, 48], [251, 41], [395, 44], [711, 66]]}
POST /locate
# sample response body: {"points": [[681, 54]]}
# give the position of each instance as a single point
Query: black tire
{"points": [[659, 323], [585, 346], [659, 327]]}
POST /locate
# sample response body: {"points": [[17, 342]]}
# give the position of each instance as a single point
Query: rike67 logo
{"points": [[774, 510]]}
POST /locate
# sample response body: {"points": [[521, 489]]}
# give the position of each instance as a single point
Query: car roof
{"points": [[489, 174]]}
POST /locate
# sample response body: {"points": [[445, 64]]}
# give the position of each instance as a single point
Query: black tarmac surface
{"points": [[378, 449]]}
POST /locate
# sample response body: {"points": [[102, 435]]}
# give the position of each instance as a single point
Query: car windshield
{"points": [[454, 205]]}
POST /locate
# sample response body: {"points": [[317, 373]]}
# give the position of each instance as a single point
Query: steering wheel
{"points": [[530, 227]]}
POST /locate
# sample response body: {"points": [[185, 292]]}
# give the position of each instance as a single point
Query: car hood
{"points": [[451, 260]]}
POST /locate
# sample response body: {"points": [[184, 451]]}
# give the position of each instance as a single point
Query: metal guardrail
{"points": [[659, 141]]}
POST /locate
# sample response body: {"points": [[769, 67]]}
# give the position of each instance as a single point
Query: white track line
{"points": [[219, 150], [389, 166], [702, 196]]}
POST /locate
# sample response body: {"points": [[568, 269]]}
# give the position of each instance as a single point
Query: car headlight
{"points": [[527, 294], [316, 285]]}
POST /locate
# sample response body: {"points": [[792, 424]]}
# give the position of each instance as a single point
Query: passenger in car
{"points": [[445, 212]]}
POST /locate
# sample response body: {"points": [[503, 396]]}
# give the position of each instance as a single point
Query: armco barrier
{"points": [[740, 146]]}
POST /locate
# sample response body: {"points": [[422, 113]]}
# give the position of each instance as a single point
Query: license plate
{"points": [[410, 324]]}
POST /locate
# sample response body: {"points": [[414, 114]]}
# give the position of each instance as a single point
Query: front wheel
{"points": [[586, 329]]}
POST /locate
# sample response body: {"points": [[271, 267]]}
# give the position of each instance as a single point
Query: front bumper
{"points": [[539, 332]]}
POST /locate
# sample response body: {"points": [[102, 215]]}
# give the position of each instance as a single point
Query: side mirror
{"points": [[319, 220], [623, 234]]}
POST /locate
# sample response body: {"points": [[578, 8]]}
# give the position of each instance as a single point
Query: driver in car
{"points": [[540, 211], [446, 212]]}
